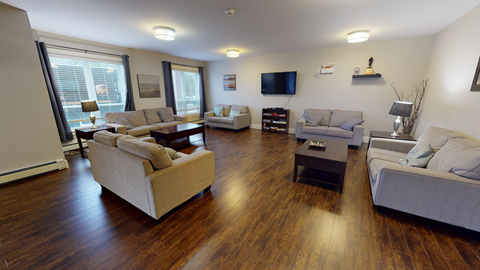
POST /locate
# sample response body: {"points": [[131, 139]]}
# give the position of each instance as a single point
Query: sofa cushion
{"points": [[338, 132], [137, 118], [123, 120], [460, 156], [172, 153], [166, 124], [214, 119], [226, 120], [226, 109], [313, 120], [166, 114], [348, 126], [325, 114], [319, 130], [152, 116], [242, 108], [418, 157], [218, 111], [141, 130], [109, 117], [153, 152], [107, 137], [437, 137], [340, 117], [233, 113], [384, 154]]}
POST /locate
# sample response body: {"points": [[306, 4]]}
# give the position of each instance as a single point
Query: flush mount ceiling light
{"points": [[164, 33], [233, 53], [358, 36]]}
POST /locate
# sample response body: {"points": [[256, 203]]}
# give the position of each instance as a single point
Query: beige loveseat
{"points": [[329, 126], [144, 175], [446, 190], [143, 121], [227, 121]]}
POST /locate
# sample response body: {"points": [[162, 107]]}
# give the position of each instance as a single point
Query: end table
{"points": [[87, 134], [386, 135]]}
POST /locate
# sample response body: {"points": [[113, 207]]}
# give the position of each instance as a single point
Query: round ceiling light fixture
{"points": [[358, 36], [233, 53], [164, 33]]}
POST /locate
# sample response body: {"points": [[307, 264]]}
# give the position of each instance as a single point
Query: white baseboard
{"points": [[21, 173]]}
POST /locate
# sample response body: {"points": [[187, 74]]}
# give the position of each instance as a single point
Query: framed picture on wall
{"points": [[149, 86], [229, 82], [476, 78]]}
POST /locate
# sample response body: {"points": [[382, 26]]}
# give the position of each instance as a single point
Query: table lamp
{"points": [[90, 106], [400, 109]]}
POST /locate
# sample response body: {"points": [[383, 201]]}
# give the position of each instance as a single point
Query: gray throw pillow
{"points": [[313, 120], [166, 114], [418, 156], [123, 121], [172, 153], [348, 126]]}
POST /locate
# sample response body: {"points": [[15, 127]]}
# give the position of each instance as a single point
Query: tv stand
{"points": [[275, 120]]}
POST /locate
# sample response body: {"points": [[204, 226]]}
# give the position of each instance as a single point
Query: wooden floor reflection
{"points": [[255, 217]]}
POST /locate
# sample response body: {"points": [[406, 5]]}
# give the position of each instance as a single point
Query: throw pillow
{"points": [[348, 126], [313, 120], [418, 157], [218, 111], [123, 121], [172, 153], [233, 113], [166, 114]]}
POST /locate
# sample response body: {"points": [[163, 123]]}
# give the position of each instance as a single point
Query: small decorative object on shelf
{"points": [[369, 70], [275, 120], [317, 144], [356, 70]]}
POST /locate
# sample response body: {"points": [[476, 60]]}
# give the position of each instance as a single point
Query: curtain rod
{"points": [[82, 50], [186, 65]]}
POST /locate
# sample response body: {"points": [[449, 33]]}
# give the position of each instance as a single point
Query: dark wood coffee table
{"points": [[173, 133], [313, 160]]}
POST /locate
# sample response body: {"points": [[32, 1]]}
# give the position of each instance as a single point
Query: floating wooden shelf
{"points": [[367, 76]]}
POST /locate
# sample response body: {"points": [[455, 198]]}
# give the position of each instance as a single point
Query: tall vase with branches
{"points": [[418, 93]]}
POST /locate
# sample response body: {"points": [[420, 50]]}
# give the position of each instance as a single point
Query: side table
{"points": [[386, 135], [87, 134]]}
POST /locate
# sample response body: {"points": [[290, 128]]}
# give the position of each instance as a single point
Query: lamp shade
{"points": [[357, 36], [89, 106], [164, 33], [401, 108]]}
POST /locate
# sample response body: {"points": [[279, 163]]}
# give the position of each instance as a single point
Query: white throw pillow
{"points": [[233, 113], [218, 111], [123, 121]]}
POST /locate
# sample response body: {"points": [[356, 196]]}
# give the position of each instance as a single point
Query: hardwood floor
{"points": [[254, 217]]}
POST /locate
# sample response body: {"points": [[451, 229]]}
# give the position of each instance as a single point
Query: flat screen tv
{"points": [[279, 83]]}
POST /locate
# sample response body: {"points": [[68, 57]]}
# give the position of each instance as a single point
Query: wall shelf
{"points": [[367, 76]]}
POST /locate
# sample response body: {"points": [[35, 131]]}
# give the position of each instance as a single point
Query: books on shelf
{"points": [[267, 114]]}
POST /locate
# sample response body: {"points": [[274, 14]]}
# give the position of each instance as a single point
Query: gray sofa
{"points": [[143, 121], [447, 190], [330, 126], [236, 122]]}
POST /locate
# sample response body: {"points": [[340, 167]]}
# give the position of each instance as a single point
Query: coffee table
{"points": [[173, 133], [313, 160]]}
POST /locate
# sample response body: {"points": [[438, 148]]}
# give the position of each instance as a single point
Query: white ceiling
{"points": [[204, 32]]}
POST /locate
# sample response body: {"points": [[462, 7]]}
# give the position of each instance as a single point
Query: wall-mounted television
{"points": [[279, 83]]}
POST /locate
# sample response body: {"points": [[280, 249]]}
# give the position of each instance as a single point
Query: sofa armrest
{"points": [[358, 135], [402, 146], [242, 120], [299, 127], [121, 129], [208, 114], [174, 185], [181, 118], [148, 139]]}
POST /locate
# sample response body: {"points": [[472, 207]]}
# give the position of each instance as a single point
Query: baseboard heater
{"points": [[21, 173]]}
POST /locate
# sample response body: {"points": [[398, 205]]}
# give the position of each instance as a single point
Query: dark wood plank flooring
{"points": [[255, 217]]}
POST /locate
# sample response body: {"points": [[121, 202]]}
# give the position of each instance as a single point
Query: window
{"points": [[186, 83], [88, 79]]}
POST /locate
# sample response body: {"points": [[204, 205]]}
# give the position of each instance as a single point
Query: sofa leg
{"points": [[207, 189], [208, 126], [299, 140], [382, 210]]}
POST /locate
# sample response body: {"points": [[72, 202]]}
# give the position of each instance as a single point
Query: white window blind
{"points": [[81, 76], [186, 84]]}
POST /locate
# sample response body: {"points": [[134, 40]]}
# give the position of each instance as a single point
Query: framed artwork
{"points": [[476, 78], [229, 82], [149, 86]]}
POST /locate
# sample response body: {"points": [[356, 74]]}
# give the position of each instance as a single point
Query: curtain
{"points": [[63, 128], [129, 102], [169, 92], [203, 98]]}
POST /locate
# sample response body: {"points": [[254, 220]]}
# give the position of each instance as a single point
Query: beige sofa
{"points": [[143, 121], [446, 190], [236, 122], [124, 169], [329, 126]]}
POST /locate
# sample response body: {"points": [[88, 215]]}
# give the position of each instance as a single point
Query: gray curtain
{"points": [[63, 128], [169, 92], [203, 98], [129, 102]]}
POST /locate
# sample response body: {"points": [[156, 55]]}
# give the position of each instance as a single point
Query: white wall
{"points": [[454, 58], [150, 63], [402, 61], [29, 135]]}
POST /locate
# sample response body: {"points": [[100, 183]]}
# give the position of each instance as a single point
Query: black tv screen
{"points": [[279, 83]]}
